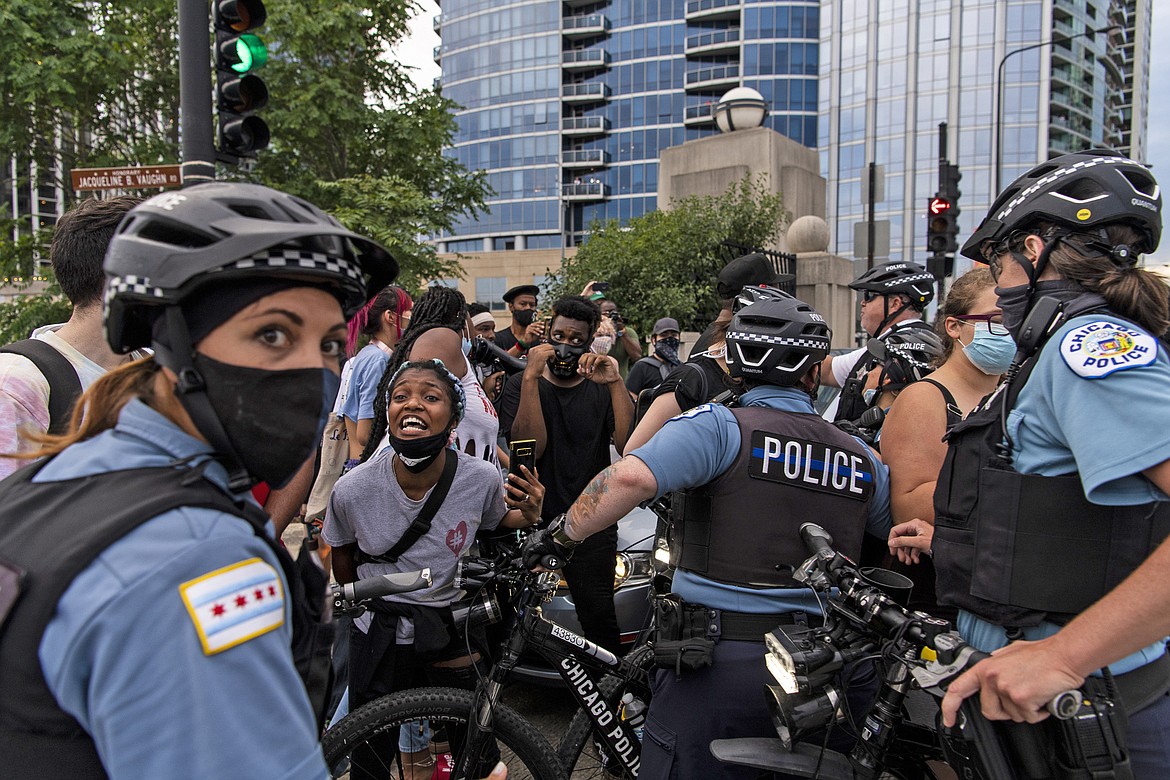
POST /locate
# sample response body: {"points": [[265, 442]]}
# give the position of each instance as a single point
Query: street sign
{"points": [[144, 177], [881, 239], [939, 205]]}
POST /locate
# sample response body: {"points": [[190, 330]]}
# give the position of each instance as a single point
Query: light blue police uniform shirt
{"points": [[368, 366], [696, 447], [122, 653], [1108, 429]]}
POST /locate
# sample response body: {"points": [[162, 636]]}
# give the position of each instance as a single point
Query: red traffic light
{"points": [[939, 205]]}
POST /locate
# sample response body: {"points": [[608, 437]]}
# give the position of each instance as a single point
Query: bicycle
{"points": [[596, 677], [915, 652]]}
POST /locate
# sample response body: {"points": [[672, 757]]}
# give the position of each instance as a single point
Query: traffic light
{"points": [[940, 233], [239, 91], [948, 187]]}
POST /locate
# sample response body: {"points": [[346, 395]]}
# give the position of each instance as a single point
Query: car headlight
{"points": [[631, 566]]}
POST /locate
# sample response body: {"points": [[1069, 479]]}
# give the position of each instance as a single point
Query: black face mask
{"points": [[417, 454], [273, 419], [524, 317], [1014, 302], [565, 358]]}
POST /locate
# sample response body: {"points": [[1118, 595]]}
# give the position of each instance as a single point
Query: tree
{"points": [[664, 264], [96, 84]]}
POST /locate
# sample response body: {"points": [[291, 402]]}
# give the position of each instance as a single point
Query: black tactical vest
{"points": [[1017, 549], [44, 533], [791, 468]]}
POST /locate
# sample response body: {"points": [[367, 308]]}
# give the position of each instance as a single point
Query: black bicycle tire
{"points": [[439, 704]]}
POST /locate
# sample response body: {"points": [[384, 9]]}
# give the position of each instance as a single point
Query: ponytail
{"points": [[1132, 292]]}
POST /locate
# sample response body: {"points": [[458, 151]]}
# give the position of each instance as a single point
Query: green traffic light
{"points": [[251, 53]]}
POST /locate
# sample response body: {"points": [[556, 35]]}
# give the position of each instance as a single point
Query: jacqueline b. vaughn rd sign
{"points": [[128, 178]]}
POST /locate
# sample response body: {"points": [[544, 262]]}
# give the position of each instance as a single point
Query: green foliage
{"points": [[25, 313], [664, 264], [97, 84]]}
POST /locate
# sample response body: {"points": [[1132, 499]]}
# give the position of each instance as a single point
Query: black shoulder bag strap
{"points": [[64, 385], [422, 523], [954, 413]]}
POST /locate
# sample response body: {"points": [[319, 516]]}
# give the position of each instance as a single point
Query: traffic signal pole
{"points": [[198, 146]]}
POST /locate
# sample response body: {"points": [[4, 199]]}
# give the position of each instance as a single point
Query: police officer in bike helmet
{"points": [[152, 633], [1054, 489], [748, 478], [893, 297]]}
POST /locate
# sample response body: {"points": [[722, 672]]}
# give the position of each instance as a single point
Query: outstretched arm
{"points": [[610, 496]]}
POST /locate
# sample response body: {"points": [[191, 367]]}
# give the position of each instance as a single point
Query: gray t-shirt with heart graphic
{"points": [[369, 507]]}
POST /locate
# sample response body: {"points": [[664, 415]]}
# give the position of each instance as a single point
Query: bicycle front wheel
{"points": [[365, 742]]}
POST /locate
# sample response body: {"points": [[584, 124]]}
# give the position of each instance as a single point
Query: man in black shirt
{"points": [[572, 402], [524, 331]]}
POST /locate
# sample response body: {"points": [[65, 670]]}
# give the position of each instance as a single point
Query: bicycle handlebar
{"points": [[870, 606], [352, 593]]}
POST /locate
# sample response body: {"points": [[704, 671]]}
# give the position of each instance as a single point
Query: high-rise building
{"points": [[567, 104], [892, 70]]}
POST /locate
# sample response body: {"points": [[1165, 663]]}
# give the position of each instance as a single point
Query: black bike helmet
{"points": [[175, 243], [759, 292], [1082, 192], [898, 278], [910, 354], [776, 341]]}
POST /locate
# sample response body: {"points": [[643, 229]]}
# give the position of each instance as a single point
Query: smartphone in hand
{"points": [[523, 454]]}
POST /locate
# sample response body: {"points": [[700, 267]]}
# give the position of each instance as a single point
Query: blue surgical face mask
{"points": [[466, 346], [990, 353], [868, 396]]}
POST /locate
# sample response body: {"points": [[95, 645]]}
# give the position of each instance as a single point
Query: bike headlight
{"points": [[780, 667], [795, 715], [797, 660]]}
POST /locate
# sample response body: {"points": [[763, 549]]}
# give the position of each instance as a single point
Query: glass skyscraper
{"points": [[892, 70], [567, 105]]}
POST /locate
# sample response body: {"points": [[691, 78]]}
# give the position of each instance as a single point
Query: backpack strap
{"points": [[64, 385], [954, 413], [422, 523]]}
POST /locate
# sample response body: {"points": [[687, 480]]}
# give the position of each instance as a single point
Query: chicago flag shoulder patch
{"points": [[231, 605], [1099, 348]]}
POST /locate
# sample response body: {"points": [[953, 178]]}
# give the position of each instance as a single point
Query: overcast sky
{"points": [[418, 52]]}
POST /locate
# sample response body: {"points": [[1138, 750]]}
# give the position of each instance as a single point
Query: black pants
{"points": [[723, 701], [590, 576], [379, 667]]}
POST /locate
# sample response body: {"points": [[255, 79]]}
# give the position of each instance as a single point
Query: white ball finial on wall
{"points": [[808, 234], [741, 108]]}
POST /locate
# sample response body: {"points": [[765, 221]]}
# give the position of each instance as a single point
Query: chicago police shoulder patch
{"points": [[1099, 348], [694, 412], [231, 605], [810, 465]]}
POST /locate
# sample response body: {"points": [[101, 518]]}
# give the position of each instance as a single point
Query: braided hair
{"points": [[439, 307]]}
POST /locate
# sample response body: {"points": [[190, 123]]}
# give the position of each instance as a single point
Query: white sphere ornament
{"points": [[741, 108]]}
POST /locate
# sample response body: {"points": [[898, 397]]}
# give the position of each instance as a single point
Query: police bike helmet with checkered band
{"points": [[776, 341], [1081, 192], [898, 278], [173, 247], [173, 244], [754, 293], [911, 352]]}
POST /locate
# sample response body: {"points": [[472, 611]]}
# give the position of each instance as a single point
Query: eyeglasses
{"points": [[994, 322], [869, 295]]}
